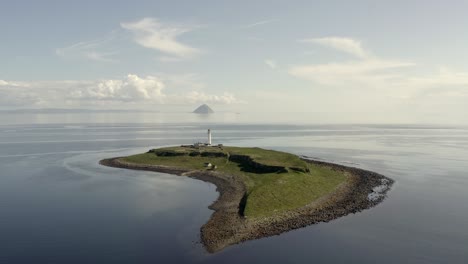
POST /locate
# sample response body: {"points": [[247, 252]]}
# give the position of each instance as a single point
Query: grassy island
{"points": [[263, 192], [280, 182]]}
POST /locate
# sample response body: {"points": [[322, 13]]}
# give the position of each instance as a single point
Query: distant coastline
{"points": [[361, 190], [72, 111]]}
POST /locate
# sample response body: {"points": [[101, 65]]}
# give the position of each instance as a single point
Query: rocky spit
{"points": [[226, 226]]}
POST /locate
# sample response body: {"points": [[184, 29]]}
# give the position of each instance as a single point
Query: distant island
{"points": [[263, 192], [203, 109]]}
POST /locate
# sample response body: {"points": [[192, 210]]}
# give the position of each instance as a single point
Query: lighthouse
{"points": [[209, 137]]}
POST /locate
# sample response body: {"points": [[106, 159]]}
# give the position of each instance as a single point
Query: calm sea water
{"points": [[57, 205]]}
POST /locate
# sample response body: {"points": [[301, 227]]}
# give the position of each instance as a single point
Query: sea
{"points": [[58, 205]]}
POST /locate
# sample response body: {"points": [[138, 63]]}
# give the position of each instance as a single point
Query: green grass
{"points": [[267, 193]]}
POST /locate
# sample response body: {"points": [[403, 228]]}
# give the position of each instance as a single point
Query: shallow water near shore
{"points": [[58, 205]]}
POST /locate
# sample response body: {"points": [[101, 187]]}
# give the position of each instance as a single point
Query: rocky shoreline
{"points": [[363, 190]]}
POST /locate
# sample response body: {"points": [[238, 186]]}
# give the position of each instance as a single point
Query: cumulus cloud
{"points": [[129, 90], [151, 33], [347, 45]]}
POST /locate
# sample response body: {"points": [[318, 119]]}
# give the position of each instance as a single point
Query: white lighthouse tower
{"points": [[209, 137]]}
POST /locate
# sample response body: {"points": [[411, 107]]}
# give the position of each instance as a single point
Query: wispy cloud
{"points": [[369, 72], [363, 70], [200, 97], [444, 76], [186, 81], [101, 56], [153, 34], [147, 32], [271, 63], [389, 75], [169, 59], [347, 45], [259, 23], [92, 50]]}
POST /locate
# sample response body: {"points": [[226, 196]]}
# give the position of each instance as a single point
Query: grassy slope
{"points": [[268, 193]]}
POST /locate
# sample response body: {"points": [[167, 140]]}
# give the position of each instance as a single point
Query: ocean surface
{"points": [[58, 205]]}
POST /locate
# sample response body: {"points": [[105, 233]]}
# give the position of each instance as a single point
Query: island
{"points": [[263, 192], [203, 109]]}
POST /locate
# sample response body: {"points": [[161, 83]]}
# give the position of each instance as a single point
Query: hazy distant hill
{"points": [[72, 111], [203, 109]]}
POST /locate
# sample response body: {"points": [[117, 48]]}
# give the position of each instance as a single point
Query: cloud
{"points": [[369, 76], [151, 33], [147, 32], [97, 56], [259, 23], [271, 63], [446, 83], [368, 72], [13, 94], [131, 90], [385, 74], [199, 97], [186, 81], [445, 76], [365, 70], [169, 59], [347, 45], [95, 50]]}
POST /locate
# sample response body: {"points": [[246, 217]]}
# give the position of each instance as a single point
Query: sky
{"points": [[348, 61]]}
